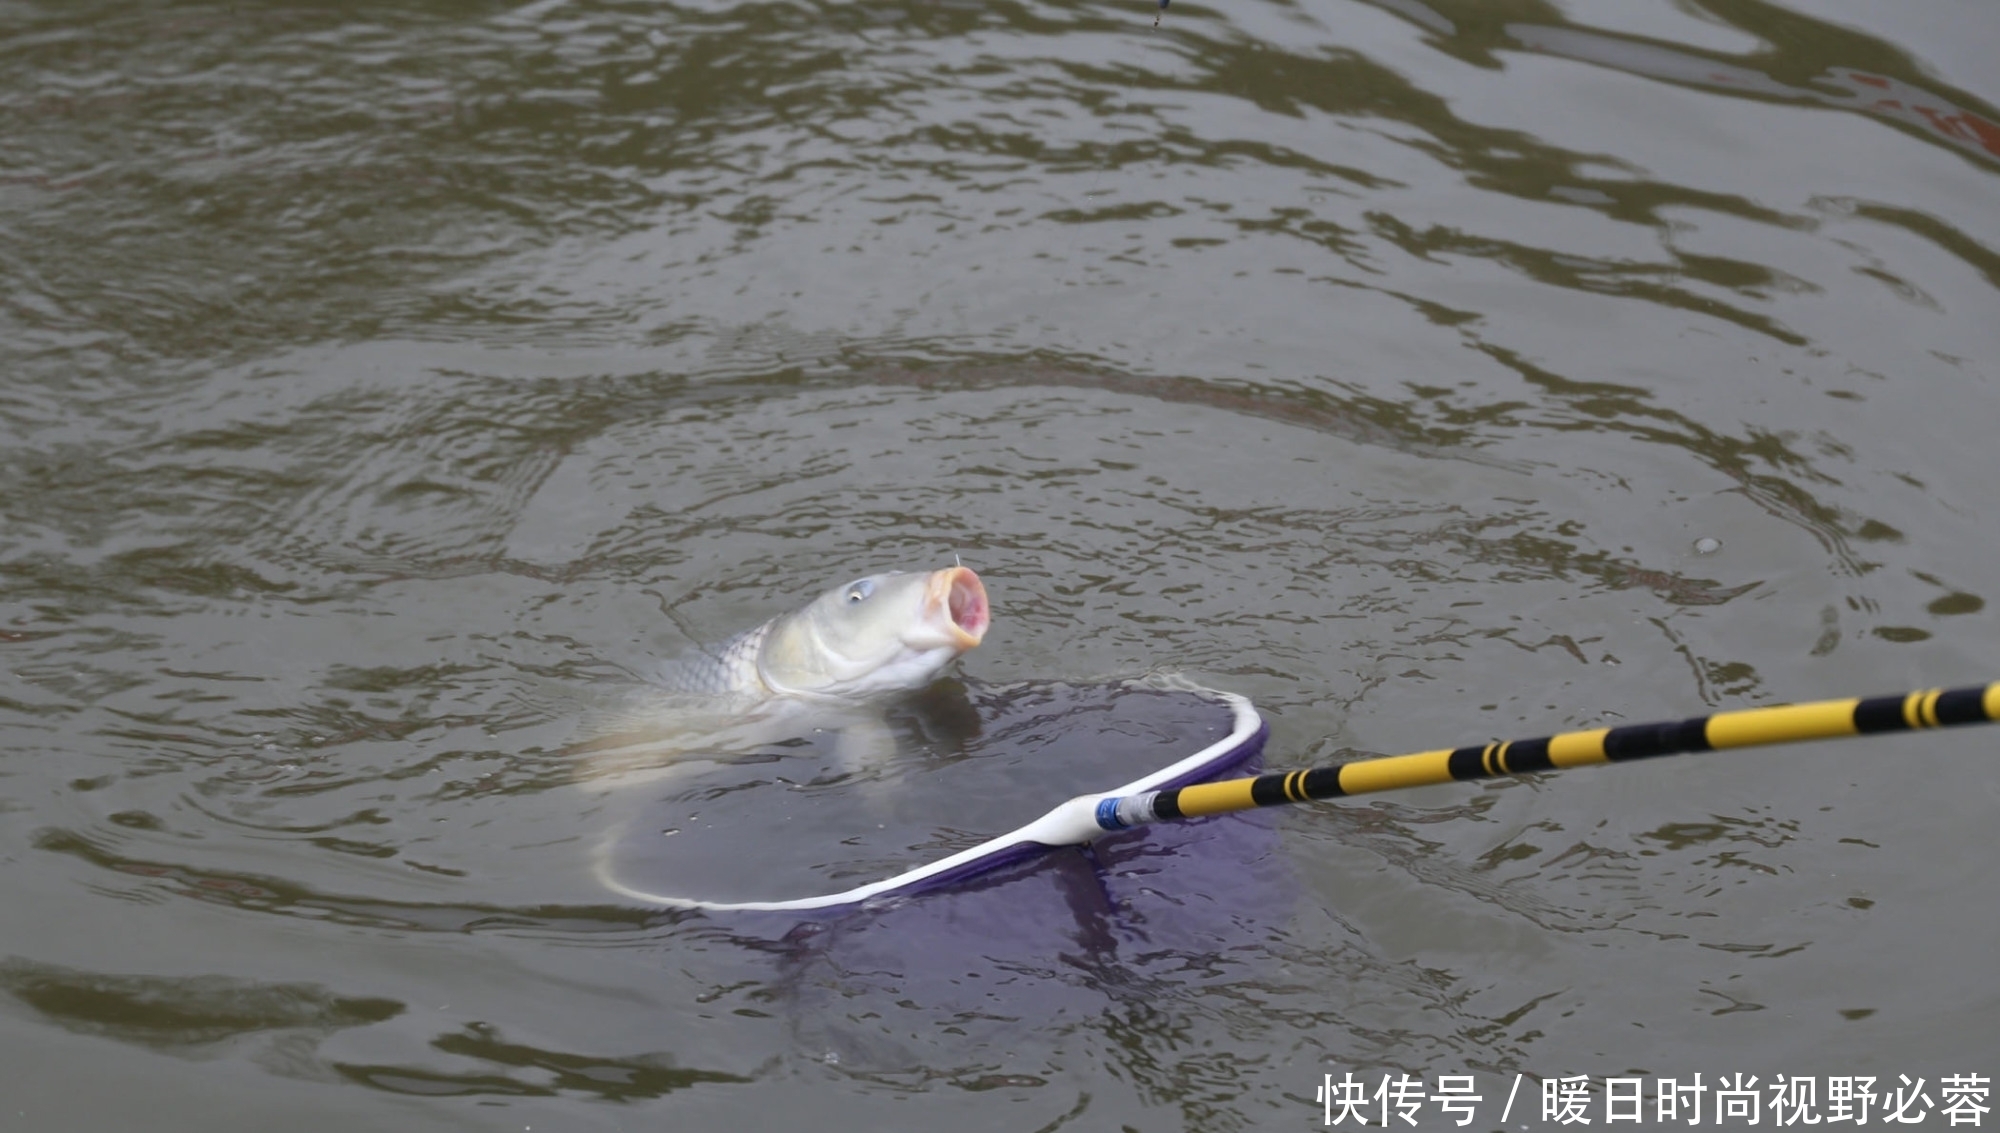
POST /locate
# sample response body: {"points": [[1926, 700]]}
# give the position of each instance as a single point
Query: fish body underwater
{"points": [[819, 666]]}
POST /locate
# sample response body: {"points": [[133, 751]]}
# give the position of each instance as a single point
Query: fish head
{"points": [[883, 633]]}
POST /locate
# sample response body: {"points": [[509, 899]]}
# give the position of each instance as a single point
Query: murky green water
{"points": [[367, 372]]}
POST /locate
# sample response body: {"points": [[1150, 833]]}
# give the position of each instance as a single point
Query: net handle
{"points": [[1747, 727]]}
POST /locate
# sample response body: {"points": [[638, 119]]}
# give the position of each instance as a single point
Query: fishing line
{"points": [[1099, 177], [1174, 792]]}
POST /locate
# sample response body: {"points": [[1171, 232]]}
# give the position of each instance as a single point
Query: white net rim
{"points": [[1072, 823]]}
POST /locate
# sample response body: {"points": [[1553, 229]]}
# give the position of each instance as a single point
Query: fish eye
{"points": [[860, 591]]}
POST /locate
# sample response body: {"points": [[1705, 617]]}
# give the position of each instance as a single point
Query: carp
{"points": [[817, 666]]}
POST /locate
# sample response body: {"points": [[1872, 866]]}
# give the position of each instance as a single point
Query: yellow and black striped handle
{"points": [[1749, 727]]}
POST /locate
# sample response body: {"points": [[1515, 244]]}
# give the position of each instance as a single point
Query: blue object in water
{"points": [[1025, 942], [960, 791]]}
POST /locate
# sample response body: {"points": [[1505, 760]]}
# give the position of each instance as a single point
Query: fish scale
{"points": [[730, 671]]}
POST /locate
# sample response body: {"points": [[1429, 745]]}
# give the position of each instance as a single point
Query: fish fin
{"points": [[864, 746]]}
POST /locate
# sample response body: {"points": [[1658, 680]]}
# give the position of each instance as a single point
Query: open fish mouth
{"points": [[958, 595]]}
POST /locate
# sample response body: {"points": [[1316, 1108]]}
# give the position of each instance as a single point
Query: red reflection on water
{"points": [[1919, 108], [1878, 95]]}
